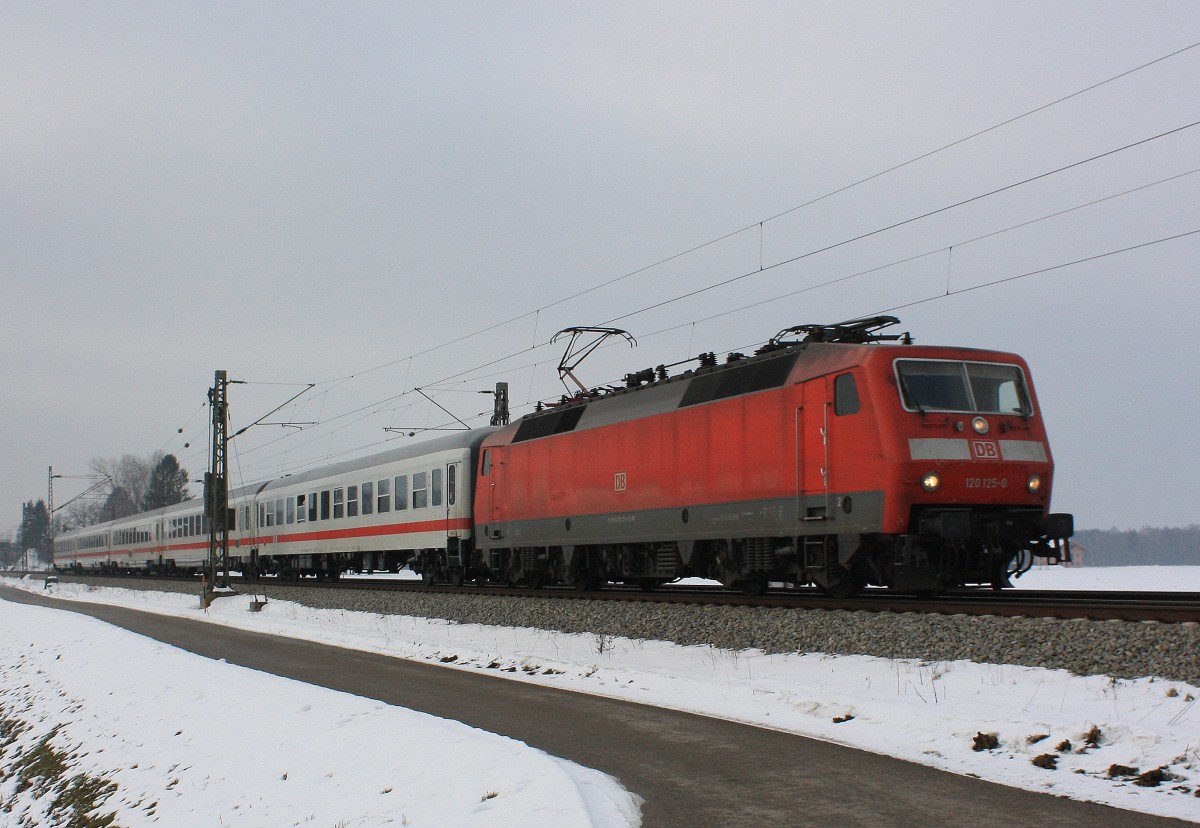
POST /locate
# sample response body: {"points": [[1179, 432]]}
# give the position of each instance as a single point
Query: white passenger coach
{"points": [[404, 506]]}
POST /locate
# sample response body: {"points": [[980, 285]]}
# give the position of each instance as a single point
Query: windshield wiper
{"points": [[908, 395]]}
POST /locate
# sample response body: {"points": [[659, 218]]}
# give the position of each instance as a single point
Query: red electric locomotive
{"points": [[835, 455]]}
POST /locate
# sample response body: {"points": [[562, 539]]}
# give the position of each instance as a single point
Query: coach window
{"points": [[312, 507], [270, 515], [291, 510], [436, 488], [420, 492], [383, 491], [401, 492], [450, 483], [279, 512], [339, 503], [845, 395], [301, 508], [368, 498], [325, 505], [352, 501]]}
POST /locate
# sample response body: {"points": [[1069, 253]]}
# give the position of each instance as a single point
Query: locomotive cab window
{"points": [[485, 467], [969, 387], [845, 395]]}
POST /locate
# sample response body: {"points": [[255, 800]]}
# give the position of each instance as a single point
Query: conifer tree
{"points": [[168, 484]]}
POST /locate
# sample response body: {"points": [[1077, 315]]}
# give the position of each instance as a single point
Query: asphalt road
{"points": [[691, 770]]}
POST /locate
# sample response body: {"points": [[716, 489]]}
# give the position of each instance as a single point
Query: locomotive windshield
{"points": [[972, 387]]}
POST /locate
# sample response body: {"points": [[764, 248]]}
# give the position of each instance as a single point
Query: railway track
{"points": [[1163, 607]]}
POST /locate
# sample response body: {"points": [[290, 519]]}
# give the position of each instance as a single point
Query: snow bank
{"points": [[195, 742], [928, 712]]}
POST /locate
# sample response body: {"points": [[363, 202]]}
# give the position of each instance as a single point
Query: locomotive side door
{"points": [[812, 451], [492, 474]]}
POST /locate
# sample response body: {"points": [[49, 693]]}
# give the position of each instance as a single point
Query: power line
{"points": [[758, 224], [374, 407], [902, 223], [762, 268], [1040, 271]]}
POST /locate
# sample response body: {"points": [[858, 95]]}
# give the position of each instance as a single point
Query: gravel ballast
{"points": [[1121, 649]]}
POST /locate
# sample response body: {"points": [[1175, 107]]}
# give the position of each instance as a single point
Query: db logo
{"points": [[620, 482], [984, 450]]}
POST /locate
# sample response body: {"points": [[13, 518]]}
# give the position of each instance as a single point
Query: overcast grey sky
{"points": [[302, 192]]}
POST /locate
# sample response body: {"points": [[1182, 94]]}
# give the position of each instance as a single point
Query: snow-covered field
{"points": [[193, 742], [1126, 578], [928, 712]]}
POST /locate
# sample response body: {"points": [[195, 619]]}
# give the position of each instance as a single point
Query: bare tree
{"points": [[130, 472], [83, 512]]}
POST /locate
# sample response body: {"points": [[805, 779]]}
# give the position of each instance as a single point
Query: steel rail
{"points": [[1163, 607]]}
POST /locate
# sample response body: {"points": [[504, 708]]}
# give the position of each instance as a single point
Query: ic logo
{"points": [[984, 450], [620, 482]]}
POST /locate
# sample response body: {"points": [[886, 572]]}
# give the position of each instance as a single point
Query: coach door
{"points": [[452, 510], [812, 452]]}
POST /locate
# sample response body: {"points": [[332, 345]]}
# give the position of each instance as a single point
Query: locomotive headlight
{"points": [[931, 482], [980, 425], [1035, 484]]}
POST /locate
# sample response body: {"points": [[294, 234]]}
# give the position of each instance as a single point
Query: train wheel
{"points": [[847, 587], [754, 585], [456, 576]]}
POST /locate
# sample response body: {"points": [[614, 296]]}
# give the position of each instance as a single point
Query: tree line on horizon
{"points": [[1148, 546], [136, 484]]}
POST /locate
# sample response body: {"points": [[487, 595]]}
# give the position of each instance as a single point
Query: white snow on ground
{"points": [[1120, 578], [928, 712], [194, 742]]}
